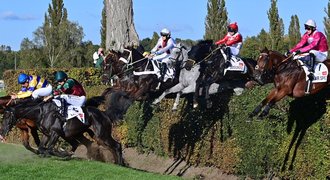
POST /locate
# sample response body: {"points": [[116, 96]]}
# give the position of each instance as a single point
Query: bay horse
{"points": [[214, 71], [53, 126], [289, 79], [24, 125]]}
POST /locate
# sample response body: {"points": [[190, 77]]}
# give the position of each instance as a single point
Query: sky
{"points": [[185, 18]]}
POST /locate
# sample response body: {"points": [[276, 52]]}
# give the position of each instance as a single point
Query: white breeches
{"points": [[73, 99], [46, 91]]}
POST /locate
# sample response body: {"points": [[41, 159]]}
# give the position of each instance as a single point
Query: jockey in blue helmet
{"points": [[32, 85]]}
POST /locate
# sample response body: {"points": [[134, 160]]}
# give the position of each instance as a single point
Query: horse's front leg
{"points": [[198, 92], [279, 94], [25, 140], [263, 103], [177, 100]]}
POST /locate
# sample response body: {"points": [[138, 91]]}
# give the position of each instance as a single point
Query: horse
{"points": [[215, 71], [189, 72], [289, 79], [118, 64], [53, 126], [25, 125]]}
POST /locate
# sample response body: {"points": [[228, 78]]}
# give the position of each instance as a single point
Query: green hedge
{"points": [[291, 142]]}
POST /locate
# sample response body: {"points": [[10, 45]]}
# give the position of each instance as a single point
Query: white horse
{"points": [[187, 79]]}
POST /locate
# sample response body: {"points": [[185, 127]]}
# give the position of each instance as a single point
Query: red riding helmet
{"points": [[233, 27]]}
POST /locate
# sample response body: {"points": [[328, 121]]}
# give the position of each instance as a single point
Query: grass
{"points": [[18, 163]]}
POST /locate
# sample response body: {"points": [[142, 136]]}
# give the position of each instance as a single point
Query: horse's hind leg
{"points": [[113, 146]]}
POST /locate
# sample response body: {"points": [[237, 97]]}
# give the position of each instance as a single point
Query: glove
{"points": [[288, 53], [296, 52], [222, 45]]}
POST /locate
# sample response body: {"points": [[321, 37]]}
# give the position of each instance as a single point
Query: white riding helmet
{"points": [[165, 32], [311, 23]]}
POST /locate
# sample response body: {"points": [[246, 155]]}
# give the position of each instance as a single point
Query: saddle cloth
{"points": [[320, 72], [73, 111], [237, 64], [155, 64]]}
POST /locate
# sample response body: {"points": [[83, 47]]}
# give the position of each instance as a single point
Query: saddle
{"points": [[170, 72], [70, 111], [237, 65]]}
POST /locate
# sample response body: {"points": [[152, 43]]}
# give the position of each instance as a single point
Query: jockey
{"points": [[98, 57], [32, 85], [313, 43], [162, 51], [233, 41], [69, 91]]}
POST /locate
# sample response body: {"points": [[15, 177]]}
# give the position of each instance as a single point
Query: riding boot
{"points": [[228, 54], [163, 71], [311, 66], [63, 108]]}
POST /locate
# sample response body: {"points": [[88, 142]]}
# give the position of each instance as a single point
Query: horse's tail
{"points": [[95, 101]]}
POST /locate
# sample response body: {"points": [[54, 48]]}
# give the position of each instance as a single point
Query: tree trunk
{"points": [[120, 29]]}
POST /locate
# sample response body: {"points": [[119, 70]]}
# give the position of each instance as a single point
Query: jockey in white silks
{"points": [[162, 51]]}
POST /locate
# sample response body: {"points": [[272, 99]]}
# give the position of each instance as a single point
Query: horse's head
{"points": [[267, 63], [179, 55], [201, 50], [215, 64], [8, 122]]}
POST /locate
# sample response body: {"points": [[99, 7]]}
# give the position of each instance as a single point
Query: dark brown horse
{"points": [[25, 125], [53, 126], [289, 79]]}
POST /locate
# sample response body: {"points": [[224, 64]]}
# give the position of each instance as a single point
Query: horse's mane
{"points": [[203, 42]]}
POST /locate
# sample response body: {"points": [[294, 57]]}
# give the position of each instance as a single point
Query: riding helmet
{"points": [[165, 32], [310, 23], [22, 78], [60, 76], [233, 27]]}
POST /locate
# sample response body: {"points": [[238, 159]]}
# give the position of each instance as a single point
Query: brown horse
{"points": [[25, 125], [289, 79]]}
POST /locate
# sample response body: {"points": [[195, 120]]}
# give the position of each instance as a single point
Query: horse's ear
{"points": [[264, 50]]}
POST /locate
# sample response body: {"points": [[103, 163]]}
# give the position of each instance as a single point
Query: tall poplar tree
{"points": [[216, 20], [276, 27], [294, 31], [326, 22]]}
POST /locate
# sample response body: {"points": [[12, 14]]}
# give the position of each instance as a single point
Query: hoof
{"points": [[195, 105]]}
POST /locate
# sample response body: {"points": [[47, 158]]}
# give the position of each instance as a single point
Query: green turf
{"points": [[18, 163]]}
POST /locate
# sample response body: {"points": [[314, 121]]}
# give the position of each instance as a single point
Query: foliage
{"points": [[326, 22], [286, 141], [294, 31], [276, 27], [216, 20]]}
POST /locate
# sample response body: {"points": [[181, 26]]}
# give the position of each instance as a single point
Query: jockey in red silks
{"points": [[313, 43], [233, 40]]}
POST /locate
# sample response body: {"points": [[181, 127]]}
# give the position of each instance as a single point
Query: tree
{"points": [[103, 29], [264, 39], [326, 22], [216, 20], [294, 31], [58, 37], [276, 26], [120, 29]]}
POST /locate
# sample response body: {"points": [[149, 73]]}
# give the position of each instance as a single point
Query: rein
{"points": [[204, 59]]}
